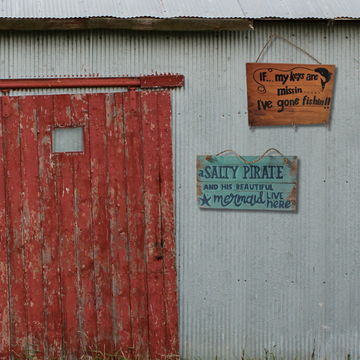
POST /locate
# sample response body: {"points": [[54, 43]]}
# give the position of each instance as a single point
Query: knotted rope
{"points": [[208, 157]]}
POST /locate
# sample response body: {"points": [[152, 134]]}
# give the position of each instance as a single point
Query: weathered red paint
{"points": [[112, 208], [144, 82], [4, 290], [167, 221], [120, 260], [66, 224], [99, 179], [94, 229], [32, 223], [157, 81], [136, 227], [5, 106], [13, 200], [87, 332], [155, 275], [49, 224]]}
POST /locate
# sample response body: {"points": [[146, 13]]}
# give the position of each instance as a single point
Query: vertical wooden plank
{"points": [[167, 220], [155, 275], [65, 209], [83, 220], [18, 316], [118, 224], [32, 225], [138, 280], [99, 175], [49, 224], [4, 285]]}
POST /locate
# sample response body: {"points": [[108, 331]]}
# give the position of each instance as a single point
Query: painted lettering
{"points": [[207, 171], [234, 169], [239, 200], [226, 186], [246, 171]]}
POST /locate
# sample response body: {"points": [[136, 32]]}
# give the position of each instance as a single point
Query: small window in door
{"points": [[68, 139]]}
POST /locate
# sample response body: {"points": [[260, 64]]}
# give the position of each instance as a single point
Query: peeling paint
{"points": [[69, 228]]}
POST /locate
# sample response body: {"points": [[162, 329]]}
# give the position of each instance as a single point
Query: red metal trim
{"points": [[144, 82], [158, 81]]}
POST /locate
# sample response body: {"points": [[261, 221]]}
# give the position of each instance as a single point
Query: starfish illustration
{"points": [[205, 200]]}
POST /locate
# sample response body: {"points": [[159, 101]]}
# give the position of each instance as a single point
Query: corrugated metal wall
{"points": [[247, 279]]}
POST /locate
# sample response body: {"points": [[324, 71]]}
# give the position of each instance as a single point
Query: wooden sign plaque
{"points": [[286, 94], [225, 182]]}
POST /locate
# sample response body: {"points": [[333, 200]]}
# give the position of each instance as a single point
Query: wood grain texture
{"points": [[87, 331], [179, 24], [4, 274], [118, 224], [226, 182], [67, 240], [88, 237], [285, 94], [101, 233], [153, 233], [14, 209], [49, 223], [167, 222], [32, 228], [136, 226]]}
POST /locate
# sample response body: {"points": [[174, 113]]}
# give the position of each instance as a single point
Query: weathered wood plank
{"points": [[118, 197], [138, 281], [100, 216], [98, 227], [283, 94], [223, 169], [12, 137], [109, 133], [167, 222], [67, 240], [32, 224], [4, 285], [179, 24], [49, 223], [226, 182], [153, 235], [83, 225]]}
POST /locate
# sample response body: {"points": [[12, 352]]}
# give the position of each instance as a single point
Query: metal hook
{"points": [[293, 125], [326, 125], [250, 127]]}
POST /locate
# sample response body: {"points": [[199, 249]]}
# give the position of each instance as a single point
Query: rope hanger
{"points": [[268, 42], [272, 36], [208, 157]]}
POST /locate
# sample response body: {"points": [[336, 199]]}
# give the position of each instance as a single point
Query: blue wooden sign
{"points": [[226, 182]]}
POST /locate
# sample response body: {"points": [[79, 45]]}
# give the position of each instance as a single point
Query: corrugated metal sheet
{"points": [[289, 9], [123, 9], [217, 9], [247, 280]]}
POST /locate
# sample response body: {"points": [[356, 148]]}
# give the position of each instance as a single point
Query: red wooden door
{"points": [[87, 260]]}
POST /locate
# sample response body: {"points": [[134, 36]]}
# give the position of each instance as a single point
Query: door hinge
{"points": [[5, 103], [133, 106]]}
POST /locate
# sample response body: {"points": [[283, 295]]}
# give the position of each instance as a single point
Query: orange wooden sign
{"points": [[285, 94]]}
